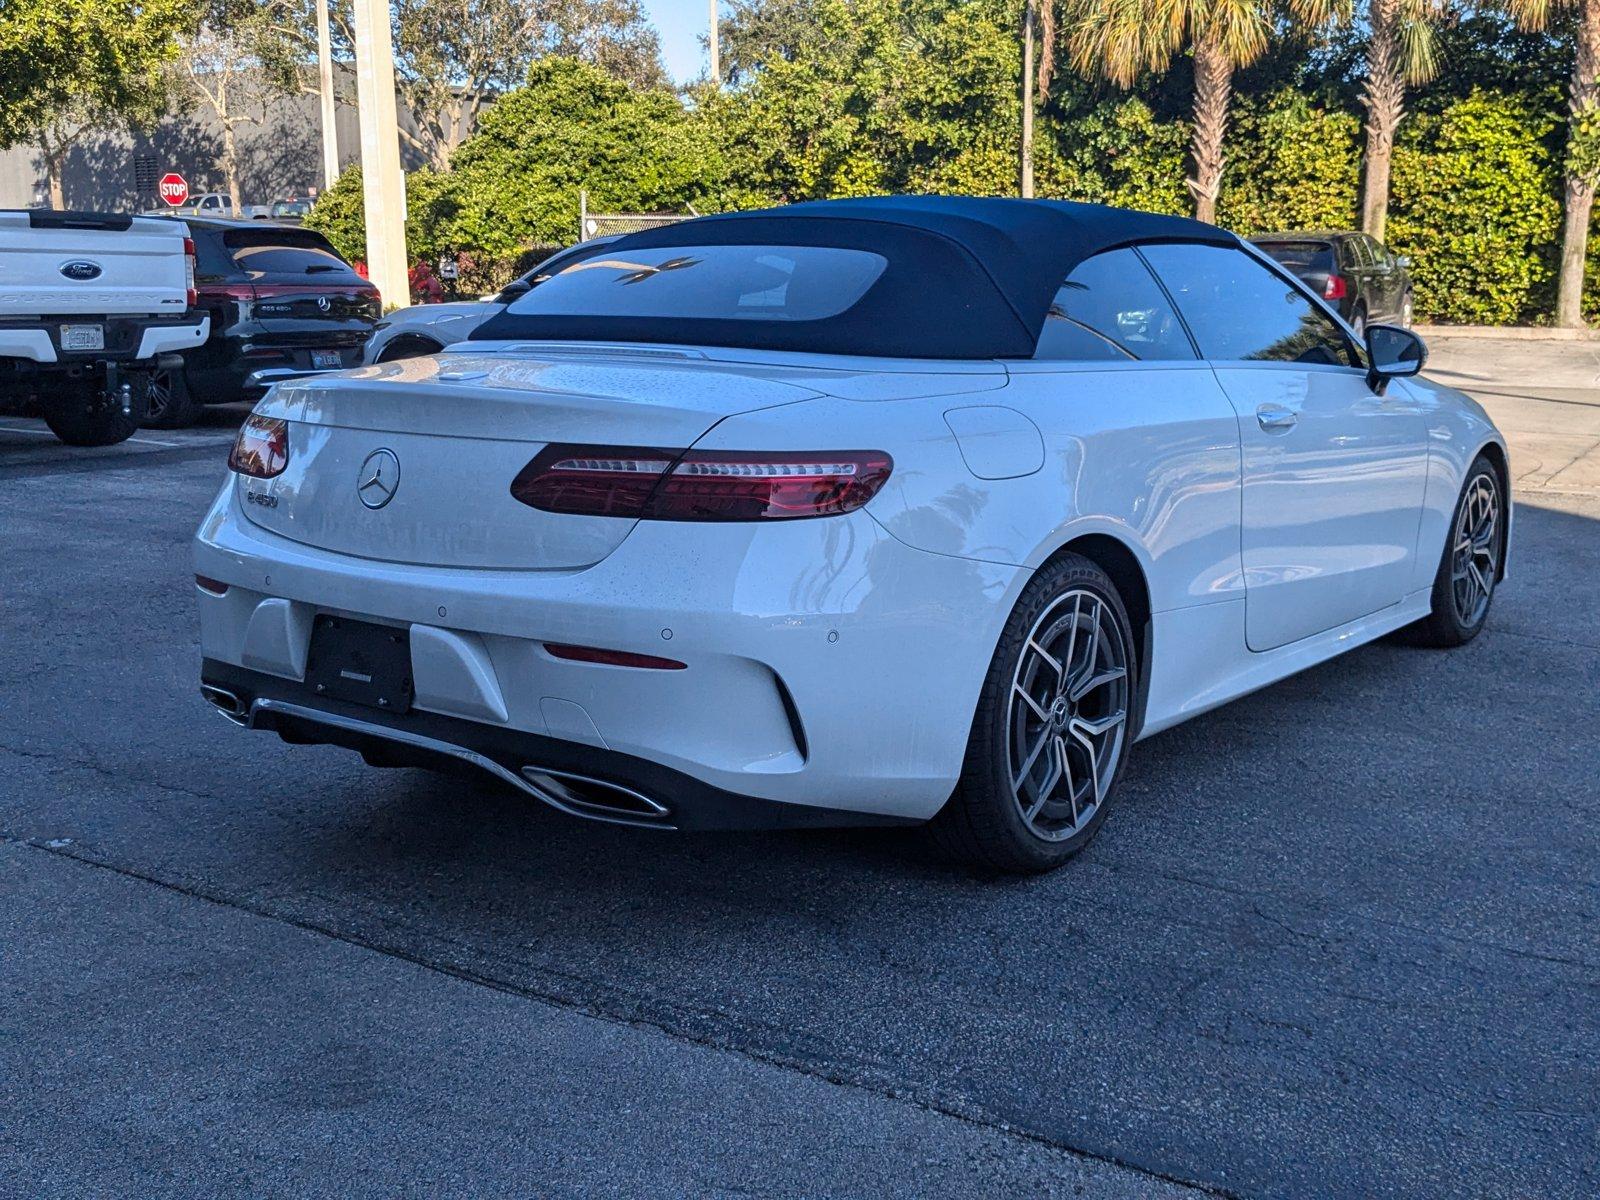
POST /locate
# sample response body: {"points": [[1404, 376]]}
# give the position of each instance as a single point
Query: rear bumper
{"points": [[581, 781], [127, 339], [829, 665]]}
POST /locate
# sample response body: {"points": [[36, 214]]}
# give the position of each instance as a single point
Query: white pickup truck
{"points": [[91, 306]]}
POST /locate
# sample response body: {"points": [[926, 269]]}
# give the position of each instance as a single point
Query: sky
{"points": [[682, 23]]}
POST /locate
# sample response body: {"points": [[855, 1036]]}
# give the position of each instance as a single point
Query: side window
{"points": [[1111, 308], [1239, 310], [1355, 254]]}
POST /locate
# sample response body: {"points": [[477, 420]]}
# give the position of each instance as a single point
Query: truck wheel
{"points": [[83, 416], [171, 404]]}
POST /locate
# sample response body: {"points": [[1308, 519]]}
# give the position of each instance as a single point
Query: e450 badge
{"points": [[264, 499]]}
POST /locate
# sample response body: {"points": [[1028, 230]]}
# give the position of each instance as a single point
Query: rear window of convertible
{"points": [[740, 283]]}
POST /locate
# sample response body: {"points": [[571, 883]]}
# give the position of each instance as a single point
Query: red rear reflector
{"points": [[262, 447], [613, 658], [215, 586], [1335, 289], [700, 485], [193, 297]]}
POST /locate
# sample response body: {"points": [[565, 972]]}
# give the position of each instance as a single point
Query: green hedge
{"points": [[1475, 203]]}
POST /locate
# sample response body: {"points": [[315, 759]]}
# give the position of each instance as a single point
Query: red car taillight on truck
{"points": [[700, 485], [262, 448]]}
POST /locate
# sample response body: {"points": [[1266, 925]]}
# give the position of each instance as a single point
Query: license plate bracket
{"points": [[83, 337], [360, 662], [326, 360]]}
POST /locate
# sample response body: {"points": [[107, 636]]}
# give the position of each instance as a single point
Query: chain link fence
{"points": [[593, 224]]}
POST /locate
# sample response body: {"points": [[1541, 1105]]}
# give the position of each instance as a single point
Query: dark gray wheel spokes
{"points": [[159, 397], [1475, 552], [1068, 715]]}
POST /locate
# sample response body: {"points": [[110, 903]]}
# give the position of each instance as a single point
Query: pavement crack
{"points": [[110, 773]]}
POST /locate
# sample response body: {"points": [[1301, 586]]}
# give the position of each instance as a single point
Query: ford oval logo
{"points": [[81, 269]]}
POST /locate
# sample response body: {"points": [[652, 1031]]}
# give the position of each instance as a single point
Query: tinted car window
{"points": [[299, 255], [1356, 254], [1239, 310], [212, 262], [1303, 258], [753, 283], [1111, 307]]}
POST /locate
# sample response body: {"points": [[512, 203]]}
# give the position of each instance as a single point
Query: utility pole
{"points": [[330, 130], [1025, 164], [384, 199], [716, 49]]}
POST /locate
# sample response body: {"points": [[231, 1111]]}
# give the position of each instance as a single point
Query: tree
{"points": [[1582, 168], [454, 56], [69, 68], [515, 182], [1119, 40], [1400, 53], [228, 63]]}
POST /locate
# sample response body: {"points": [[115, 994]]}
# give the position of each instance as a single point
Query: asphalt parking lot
{"points": [[1338, 939]]}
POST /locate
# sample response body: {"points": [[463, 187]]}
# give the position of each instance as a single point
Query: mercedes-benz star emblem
{"points": [[324, 303], [379, 478]]}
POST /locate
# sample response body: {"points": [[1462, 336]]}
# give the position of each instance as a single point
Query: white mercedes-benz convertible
{"points": [[867, 511]]}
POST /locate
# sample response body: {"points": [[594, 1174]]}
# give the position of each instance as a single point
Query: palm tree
{"points": [[1400, 54], [1118, 40], [1583, 141]]}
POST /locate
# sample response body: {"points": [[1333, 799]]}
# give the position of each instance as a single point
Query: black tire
{"points": [[171, 405], [408, 347], [1452, 622], [82, 416], [983, 824]]}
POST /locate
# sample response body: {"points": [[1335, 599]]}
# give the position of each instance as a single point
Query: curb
{"points": [[1509, 333]]}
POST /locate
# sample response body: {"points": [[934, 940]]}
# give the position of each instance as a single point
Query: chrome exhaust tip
{"points": [[586, 797], [226, 703]]}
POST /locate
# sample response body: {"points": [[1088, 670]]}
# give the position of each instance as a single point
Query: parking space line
{"points": [[4, 428]]}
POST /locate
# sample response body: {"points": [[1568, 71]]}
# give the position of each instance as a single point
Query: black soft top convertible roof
{"points": [[967, 278]]}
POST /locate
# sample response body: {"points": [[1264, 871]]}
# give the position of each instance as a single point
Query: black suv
{"points": [[1354, 273], [282, 304]]}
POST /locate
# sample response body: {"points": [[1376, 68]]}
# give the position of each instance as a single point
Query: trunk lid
{"points": [[304, 292], [448, 435]]}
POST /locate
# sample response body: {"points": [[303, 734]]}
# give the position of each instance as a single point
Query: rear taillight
{"points": [[700, 485], [188, 273], [1335, 288], [262, 447]]}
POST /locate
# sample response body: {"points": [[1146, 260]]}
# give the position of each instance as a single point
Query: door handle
{"points": [[1276, 416]]}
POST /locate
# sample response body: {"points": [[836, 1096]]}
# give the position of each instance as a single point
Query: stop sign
{"points": [[174, 188]]}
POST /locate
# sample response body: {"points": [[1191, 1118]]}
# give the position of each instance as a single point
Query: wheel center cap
{"points": [[1060, 712]]}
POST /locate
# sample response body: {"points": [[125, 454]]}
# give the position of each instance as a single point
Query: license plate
{"points": [[83, 337], [326, 360], [361, 663]]}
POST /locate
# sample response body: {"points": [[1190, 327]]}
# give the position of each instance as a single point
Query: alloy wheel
{"points": [[158, 397], [1475, 553], [1068, 715]]}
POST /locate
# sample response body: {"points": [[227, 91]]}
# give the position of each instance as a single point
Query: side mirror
{"points": [[1393, 353], [1402, 260], [514, 290]]}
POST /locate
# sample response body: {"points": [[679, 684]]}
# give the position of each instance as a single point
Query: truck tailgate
{"points": [[62, 264]]}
